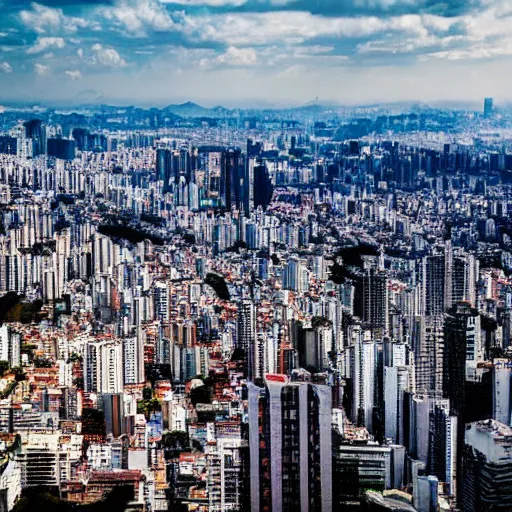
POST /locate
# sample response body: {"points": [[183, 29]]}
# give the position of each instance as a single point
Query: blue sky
{"points": [[255, 51]]}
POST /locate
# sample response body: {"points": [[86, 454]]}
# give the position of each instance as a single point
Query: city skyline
{"points": [[255, 256], [233, 52]]}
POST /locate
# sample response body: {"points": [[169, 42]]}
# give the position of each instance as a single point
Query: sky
{"points": [[247, 52]]}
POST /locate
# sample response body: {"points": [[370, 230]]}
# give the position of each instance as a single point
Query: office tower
{"points": [[174, 167], [501, 392], [428, 343], [434, 284], [465, 272], [8, 145], [396, 382], [234, 182], [82, 138], [487, 478], [35, 130], [161, 167], [416, 425], [488, 107], [262, 187], [290, 446], [253, 148], [246, 335], [444, 449], [373, 300], [358, 467], [459, 346], [63, 149], [210, 161], [180, 165]]}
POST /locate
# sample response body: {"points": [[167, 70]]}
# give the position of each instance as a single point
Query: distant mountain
{"points": [[191, 109], [88, 96]]}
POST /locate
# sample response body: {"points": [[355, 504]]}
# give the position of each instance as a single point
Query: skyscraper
{"points": [[290, 446], [103, 367], [487, 483], [234, 183], [434, 284], [263, 188], [444, 448], [457, 349], [363, 373], [502, 380], [246, 334], [63, 149], [488, 107], [375, 300], [428, 342], [35, 130], [133, 360]]}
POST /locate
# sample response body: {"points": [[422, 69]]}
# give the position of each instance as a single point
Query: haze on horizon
{"points": [[266, 52]]}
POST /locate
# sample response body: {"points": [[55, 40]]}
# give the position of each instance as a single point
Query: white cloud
{"points": [[480, 35], [40, 69], [223, 3], [44, 43], [211, 3], [477, 51], [391, 45], [296, 27], [74, 75], [381, 4], [136, 17], [210, 59], [5, 67], [294, 71], [43, 19], [238, 57], [106, 56]]}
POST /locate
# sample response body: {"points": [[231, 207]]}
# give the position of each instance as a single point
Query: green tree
{"points": [[147, 393], [4, 366], [146, 407], [201, 395]]}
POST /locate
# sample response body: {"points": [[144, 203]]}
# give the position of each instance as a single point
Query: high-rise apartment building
{"points": [[133, 360], [246, 336], [290, 446], [103, 366]]}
